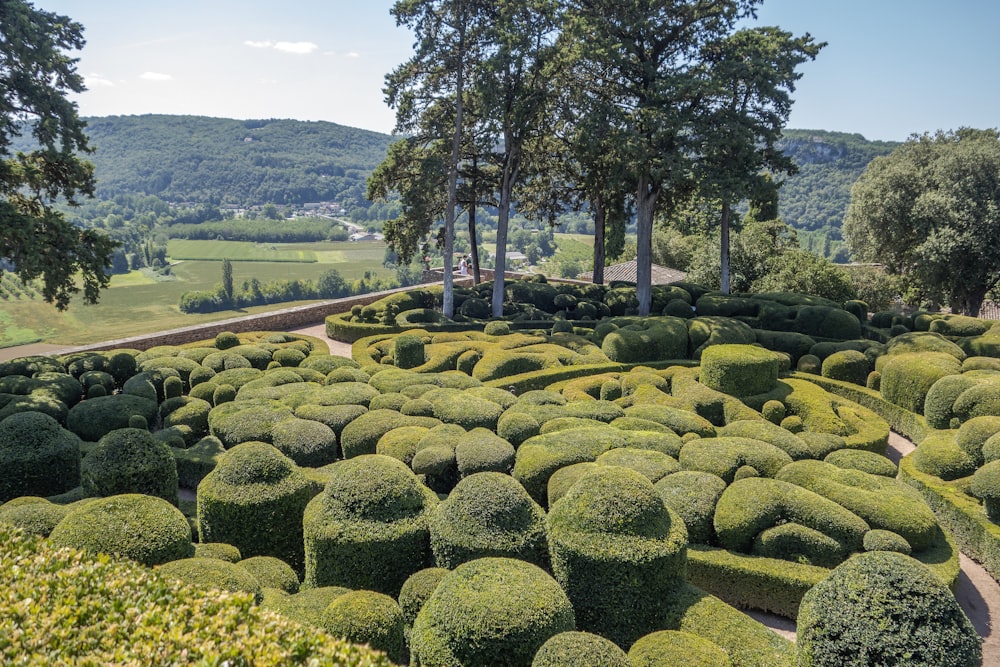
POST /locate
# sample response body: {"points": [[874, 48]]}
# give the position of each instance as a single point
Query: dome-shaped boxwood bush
{"points": [[724, 456], [306, 606], [651, 464], [96, 417], [765, 431], [941, 397], [973, 434], [367, 617], [220, 550], [368, 528], [246, 420], [986, 486], [673, 647], [481, 450], [361, 436], [254, 500], [37, 455], [847, 366], [144, 528], [581, 648], [858, 459], [33, 515], [884, 608], [488, 514], [272, 572], [693, 495], [540, 456], [213, 573], [619, 553], [907, 378], [487, 610], [886, 540], [308, 443], [130, 460], [416, 590], [739, 370]]}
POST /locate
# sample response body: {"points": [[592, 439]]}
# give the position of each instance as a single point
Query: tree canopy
{"points": [[930, 211], [36, 75]]}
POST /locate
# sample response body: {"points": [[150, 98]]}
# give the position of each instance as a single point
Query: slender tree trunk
{"points": [[600, 219], [725, 248], [645, 204], [503, 220], [448, 299], [972, 301], [473, 240]]}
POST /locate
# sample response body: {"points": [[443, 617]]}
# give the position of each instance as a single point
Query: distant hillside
{"points": [[816, 198], [225, 161]]}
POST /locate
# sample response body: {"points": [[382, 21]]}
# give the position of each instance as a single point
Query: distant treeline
{"points": [[300, 230]]}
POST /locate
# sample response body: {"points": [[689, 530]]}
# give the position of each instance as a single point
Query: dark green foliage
{"points": [[144, 528], [671, 647], [409, 351], [986, 486], [795, 345], [651, 464], [37, 456], [809, 363], [480, 450], [693, 495], [648, 339], [579, 648], [939, 455], [798, 544], [220, 550], [271, 572], [773, 411], [130, 460], [906, 378], [488, 514], [417, 589], [186, 411], [739, 370], [884, 608], [705, 331], [33, 515], [213, 573], [973, 434], [723, 456], [306, 606], [308, 443], [618, 552], [540, 456], [856, 459], [886, 540], [366, 617], [368, 529], [772, 434], [246, 420], [678, 420], [94, 418], [924, 342], [488, 608], [197, 461], [981, 400], [847, 366], [226, 340], [361, 436], [941, 397], [254, 485]]}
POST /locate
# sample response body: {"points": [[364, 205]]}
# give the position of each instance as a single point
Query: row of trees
{"points": [[621, 108]]}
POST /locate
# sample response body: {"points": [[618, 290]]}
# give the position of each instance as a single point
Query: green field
{"points": [[137, 303]]}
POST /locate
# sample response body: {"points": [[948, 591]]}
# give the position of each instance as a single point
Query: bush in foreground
{"points": [[37, 455]]}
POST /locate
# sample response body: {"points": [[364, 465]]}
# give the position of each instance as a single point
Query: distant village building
{"points": [[366, 236], [661, 275]]}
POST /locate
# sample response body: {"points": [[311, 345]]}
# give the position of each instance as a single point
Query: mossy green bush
{"points": [[416, 590], [679, 420], [673, 647], [367, 617], [795, 345], [884, 608], [246, 420], [37, 455], [939, 455], [96, 417], [306, 606], [869, 462], [409, 351], [130, 460], [132, 617], [481, 450], [739, 370], [255, 485], [693, 495], [847, 366], [907, 378], [978, 401], [488, 514], [723, 456], [469, 411], [619, 553], [886, 540], [401, 443], [772, 434], [213, 573], [985, 485], [220, 550], [750, 506], [649, 463], [707, 331], [307, 442], [144, 528], [581, 648], [973, 434], [923, 342], [940, 400], [538, 457], [361, 436], [488, 608], [648, 339], [33, 515], [197, 461], [368, 528], [809, 363], [271, 572]]}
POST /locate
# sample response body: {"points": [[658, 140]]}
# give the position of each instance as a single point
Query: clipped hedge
{"points": [[739, 370], [674, 647], [366, 617], [130, 460], [579, 648], [37, 455]]}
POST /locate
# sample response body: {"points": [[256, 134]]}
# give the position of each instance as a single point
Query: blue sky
{"points": [[892, 67]]}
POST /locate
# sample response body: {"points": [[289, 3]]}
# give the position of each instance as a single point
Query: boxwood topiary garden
{"points": [[570, 480]]}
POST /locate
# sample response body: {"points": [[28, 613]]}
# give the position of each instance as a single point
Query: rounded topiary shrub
{"points": [[886, 540], [481, 450], [906, 378], [144, 528], [488, 608], [672, 647], [416, 590], [809, 363], [368, 528], [220, 550], [308, 443], [884, 608], [33, 515], [96, 417], [226, 340], [973, 434], [739, 370], [652, 464], [848, 366], [38, 457], [367, 617], [488, 514], [254, 499], [130, 460], [618, 552], [858, 459], [213, 573], [272, 572], [580, 648], [693, 495], [409, 351]]}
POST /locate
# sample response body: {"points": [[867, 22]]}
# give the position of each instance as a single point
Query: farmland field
{"points": [[140, 302]]}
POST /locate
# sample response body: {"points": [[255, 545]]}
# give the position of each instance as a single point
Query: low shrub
{"points": [[980, 401], [672, 647], [907, 378], [884, 608], [886, 540], [130, 460], [368, 528], [416, 590], [306, 606], [582, 648], [693, 495], [487, 608], [366, 617], [847, 366], [307, 442], [772, 434], [220, 550], [985, 485], [37, 455], [480, 450], [651, 464], [255, 485], [538, 457], [213, 573], [723, 456], [96, 417], [33, 515], [361, 435], [144, 528], [939, 455], [973, 434], [619, 553], [940, 400], [488, 514], [869, 462], [197, 461]]}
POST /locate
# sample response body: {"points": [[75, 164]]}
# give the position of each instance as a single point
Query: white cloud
{"points": [[155, 76], [93, 80], [263, 44], [353, 54], [296, 47]]}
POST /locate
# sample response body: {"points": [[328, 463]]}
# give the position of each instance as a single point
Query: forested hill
{"points": [[225, 161], [816, 198]]}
